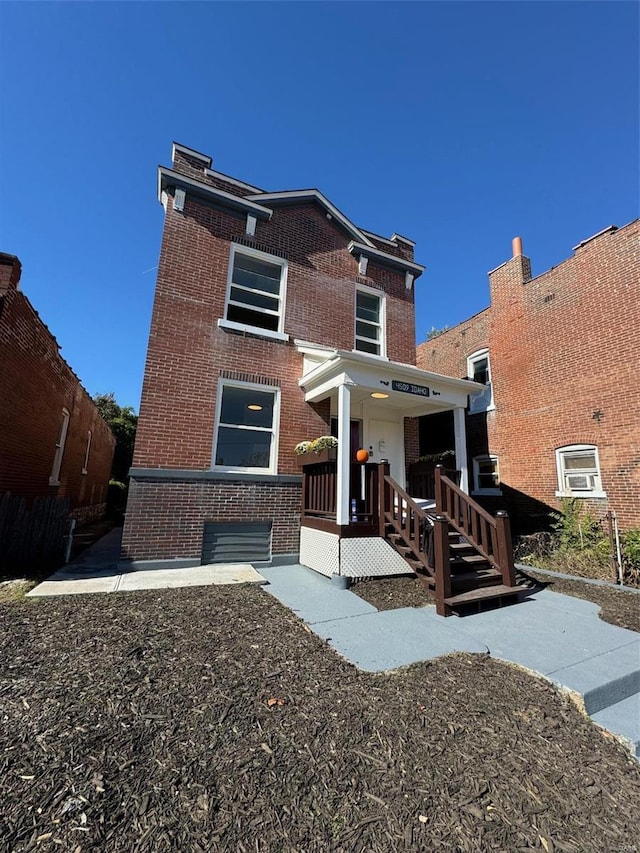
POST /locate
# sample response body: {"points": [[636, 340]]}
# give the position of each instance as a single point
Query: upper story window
{"points": [[246, 436], [54, 479], [579, 471], [479, 369], [255, 291], [370, 321], [486, 476]]}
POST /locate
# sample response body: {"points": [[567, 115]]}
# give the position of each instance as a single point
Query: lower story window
{"points": [[247, 428], [486, 476], [579, 471]]}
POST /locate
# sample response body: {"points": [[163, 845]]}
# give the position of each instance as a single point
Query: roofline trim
{"points": [[385, 259], [191, 152], [171, 178], [213, 174], [315, 195]]}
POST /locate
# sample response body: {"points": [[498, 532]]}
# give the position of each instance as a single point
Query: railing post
{"points": [[439, 488], [383, 470], [505, 548], [441, 559]]}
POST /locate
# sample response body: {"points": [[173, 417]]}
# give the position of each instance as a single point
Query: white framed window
{"points": [[579, 471], [85, 464], [54, 479], [479, 369], [246, 435], [256, 290], [486, 475], [370, 323]]}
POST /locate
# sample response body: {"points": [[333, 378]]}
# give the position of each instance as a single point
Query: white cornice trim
{"points": [[171, 178], [323, 201], [379, 238], [385, 259], [189, 152], [398, 238]]}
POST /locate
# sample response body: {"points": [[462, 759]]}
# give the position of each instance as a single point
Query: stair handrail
{"points": [[490, 536], [415, 515]]}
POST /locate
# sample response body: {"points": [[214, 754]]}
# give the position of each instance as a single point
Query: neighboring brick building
{"points": [[558, 354], [275, 321], [53, 441]]}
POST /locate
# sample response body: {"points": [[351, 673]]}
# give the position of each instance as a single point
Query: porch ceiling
{"points": [[411, 390]]}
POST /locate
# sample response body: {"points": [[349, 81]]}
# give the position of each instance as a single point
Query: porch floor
{"points": [[559, 636]]}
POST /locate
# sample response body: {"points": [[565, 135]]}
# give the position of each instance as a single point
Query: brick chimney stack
{"points": [[10, 271]]}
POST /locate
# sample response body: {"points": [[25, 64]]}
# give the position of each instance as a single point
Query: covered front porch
{"points": [[357, 518]]}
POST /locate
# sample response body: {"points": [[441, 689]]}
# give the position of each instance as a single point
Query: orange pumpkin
{"points": [[362, 455]]}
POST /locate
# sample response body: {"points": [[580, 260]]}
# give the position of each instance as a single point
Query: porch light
{"points": [[254, 407], [379, 395]]}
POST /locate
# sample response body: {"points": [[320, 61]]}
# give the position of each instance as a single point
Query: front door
{"points": [[386, 441]]}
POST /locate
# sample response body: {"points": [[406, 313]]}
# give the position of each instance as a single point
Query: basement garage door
{"points": [[236, 542]]}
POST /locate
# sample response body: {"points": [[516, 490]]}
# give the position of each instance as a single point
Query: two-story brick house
{"points": [[557, 353], [276, 320]]}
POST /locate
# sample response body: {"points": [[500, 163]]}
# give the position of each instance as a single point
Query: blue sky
{"points": [[457, 124]]}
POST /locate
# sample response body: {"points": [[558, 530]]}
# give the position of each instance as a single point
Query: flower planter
{"points": [[329, 454]]}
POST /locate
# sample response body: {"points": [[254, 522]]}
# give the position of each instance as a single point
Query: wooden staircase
{"points": [[459, 552]]}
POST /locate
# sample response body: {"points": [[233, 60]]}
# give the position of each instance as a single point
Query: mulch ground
{"points": [[619, 607], [211, 719]]}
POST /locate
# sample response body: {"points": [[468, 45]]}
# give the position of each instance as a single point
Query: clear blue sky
{"points": [[457, 124]]}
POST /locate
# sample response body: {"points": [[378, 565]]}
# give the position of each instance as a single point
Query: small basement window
{"points": [[579, 471]]}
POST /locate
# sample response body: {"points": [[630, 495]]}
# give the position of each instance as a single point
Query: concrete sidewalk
{"points": [[556, 635], [96, 570]]}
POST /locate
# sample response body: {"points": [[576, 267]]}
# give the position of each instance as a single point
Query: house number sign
{"points": [[409, 388]]}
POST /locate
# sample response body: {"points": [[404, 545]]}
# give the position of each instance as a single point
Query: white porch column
{"points": [[343, 464], [460, 433]]}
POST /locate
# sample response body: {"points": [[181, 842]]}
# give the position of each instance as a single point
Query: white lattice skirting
{"points": [[355, 558]]}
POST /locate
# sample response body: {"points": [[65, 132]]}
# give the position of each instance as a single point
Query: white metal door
{"points": [[386, 441]]}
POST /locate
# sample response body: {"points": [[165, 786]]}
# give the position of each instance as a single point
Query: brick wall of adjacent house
{"points": [[563, 351], [35, 385], [188, 354]]}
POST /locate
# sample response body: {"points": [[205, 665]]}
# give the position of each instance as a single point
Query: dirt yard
{"points": [[211, 719]]}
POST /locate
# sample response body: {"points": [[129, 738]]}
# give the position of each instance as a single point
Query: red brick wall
{"points": [[188, 353], [563, 347], [165, 520], [35, 385]]}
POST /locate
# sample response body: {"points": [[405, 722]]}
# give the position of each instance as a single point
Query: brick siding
{"points": [[35, 385], [563, 351]]}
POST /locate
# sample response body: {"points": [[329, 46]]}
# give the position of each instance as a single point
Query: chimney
{"points": [[516, 245], [10, 270]]}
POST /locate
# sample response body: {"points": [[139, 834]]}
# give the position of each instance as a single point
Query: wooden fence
{"points": [[28, 535]]}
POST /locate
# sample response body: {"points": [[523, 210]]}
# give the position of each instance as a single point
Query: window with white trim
{"points": [[54, 479], [256, 290], [486, 475], [479, 369], [85, 464], [370, 321], [579, 471], [247, 428]]}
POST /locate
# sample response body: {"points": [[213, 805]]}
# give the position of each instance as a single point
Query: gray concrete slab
{"points": [[394, 638], [212, 575], [623, 719], [313, 597]]}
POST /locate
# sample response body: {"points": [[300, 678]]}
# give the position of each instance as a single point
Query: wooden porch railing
{"points": [[319, 481], [408, 521], [491, 537]]}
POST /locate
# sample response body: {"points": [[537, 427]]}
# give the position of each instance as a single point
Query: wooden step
{"points": [[474, 580], [469, 561], [461, 548], [485, 594]]}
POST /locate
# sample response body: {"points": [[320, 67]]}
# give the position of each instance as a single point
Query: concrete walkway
{"points": [[96, 570], [556, 635]]}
